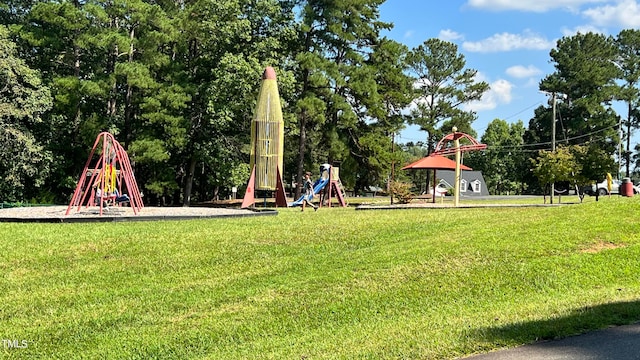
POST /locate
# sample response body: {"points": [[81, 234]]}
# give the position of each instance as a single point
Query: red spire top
{"points": [[269, 74]]}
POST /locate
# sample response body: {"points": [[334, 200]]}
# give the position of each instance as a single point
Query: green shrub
{"points": [[401, 191]]}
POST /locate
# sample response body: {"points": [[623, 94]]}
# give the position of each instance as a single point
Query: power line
{"points": [[566, 139], [535, 144], [410, 139], [523, 110], [545, 146], [485, 128]]}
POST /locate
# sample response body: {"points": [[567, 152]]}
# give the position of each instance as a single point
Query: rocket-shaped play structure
{"points": [[267, 143]]}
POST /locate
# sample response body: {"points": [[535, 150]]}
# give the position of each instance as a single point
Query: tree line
{"points": [[176, 83]]}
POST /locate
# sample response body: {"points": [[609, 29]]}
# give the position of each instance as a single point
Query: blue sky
{"points": [[507, 41]]}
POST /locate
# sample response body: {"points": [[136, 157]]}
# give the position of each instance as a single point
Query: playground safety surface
{"points": [[56, 214]]}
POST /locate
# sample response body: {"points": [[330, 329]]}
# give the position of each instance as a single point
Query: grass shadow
{"points": [[578, 322]]}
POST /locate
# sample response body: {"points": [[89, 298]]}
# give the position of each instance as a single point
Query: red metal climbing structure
{"points": [[101, 177], [445, 147]]}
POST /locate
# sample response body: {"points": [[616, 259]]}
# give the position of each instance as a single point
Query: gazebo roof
{"points": [[437, 162]]}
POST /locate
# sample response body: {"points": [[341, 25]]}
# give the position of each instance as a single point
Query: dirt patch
{"points": [[601, 246]]}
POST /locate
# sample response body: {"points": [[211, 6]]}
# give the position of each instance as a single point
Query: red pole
{"points": [[434, 187], [76, 193]]}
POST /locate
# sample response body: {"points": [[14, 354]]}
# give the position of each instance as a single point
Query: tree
{"points": [[107, 64], [585, 74], [334, 81], [56, 39], [23, 99], [555, 166], [443, 85], [502, 163], [375, 152], [228, 45], [635, 158], [176, 82], [629, 60], [585, 71], [410, 153]]}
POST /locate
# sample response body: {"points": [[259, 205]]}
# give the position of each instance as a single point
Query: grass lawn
{"points": [[339, 283]]}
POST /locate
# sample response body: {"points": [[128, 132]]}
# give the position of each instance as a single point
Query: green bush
{"points": [[401, 191]]}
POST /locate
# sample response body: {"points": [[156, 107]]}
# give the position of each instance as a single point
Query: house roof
{"points": [[470, 176]]}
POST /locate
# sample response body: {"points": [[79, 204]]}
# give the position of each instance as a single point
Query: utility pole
{"points": [[553, 135], [627, 153], [393, 164], [620, 146]]}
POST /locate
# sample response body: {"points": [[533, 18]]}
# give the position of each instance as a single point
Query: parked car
{"points": [[602, 189]]}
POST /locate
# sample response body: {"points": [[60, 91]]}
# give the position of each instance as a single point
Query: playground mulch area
{"points": [[56, 214]]}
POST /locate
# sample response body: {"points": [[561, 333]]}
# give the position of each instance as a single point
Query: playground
{"points": [[466, 278], [107, 190], [339, 283], [107, 186]]}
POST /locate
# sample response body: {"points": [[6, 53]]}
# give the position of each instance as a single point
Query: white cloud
{"points": [[530, 5], [480, 76], [583, 29], [421, 100], [499, 93], [502, 90], [531, 84], [625, 14], [409, 34], [521, 72], [450, 35], [509, 42]]}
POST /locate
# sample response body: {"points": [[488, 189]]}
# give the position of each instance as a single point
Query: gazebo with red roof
{"points": [[435, 162]]}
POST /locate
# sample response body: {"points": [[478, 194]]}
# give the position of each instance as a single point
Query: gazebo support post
{"points": [[433, 198]]}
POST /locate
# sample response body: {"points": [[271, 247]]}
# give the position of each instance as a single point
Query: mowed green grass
{"points": [[336, 284]]}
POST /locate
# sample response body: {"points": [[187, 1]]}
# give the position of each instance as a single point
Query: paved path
{"points": [[616, 343]]}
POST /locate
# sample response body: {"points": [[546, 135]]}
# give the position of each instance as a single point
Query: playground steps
{"points": [[337, 190], [343, 193]]}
